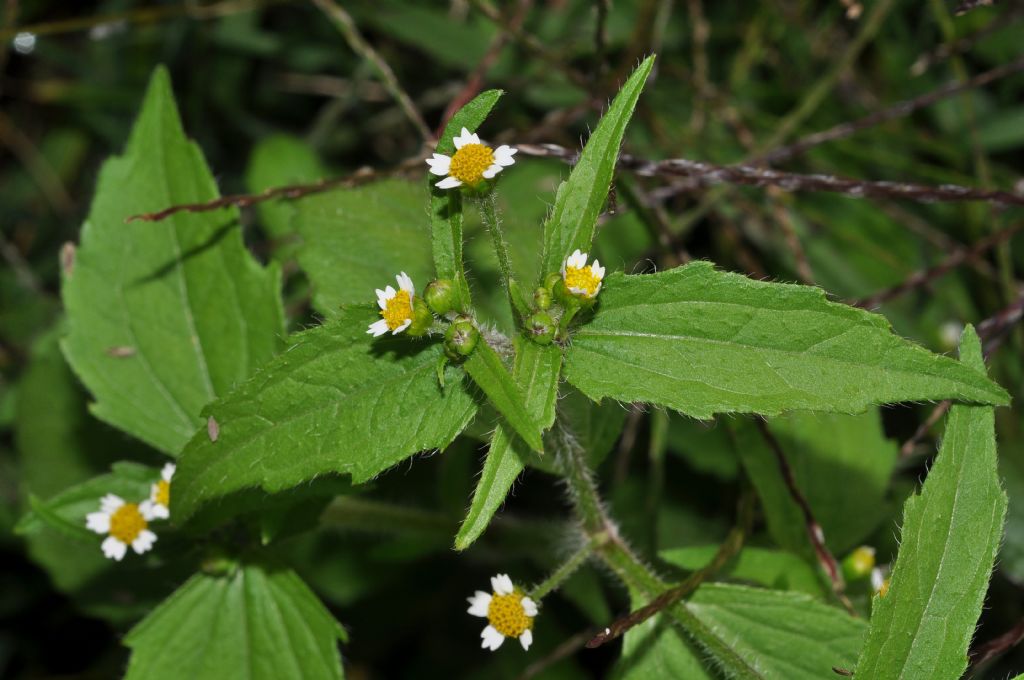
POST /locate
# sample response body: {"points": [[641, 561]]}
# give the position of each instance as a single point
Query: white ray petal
{"points": [[526, 639], [491, 171], [503, 155], [492, 639], [111, 502], [114, 549], [144, 541], [440, 164], [449, 183], [529, 606], [405, 283], [378, 328], [479, 603], [502, 584], [168, 472], [98, 522], [405, 324]]}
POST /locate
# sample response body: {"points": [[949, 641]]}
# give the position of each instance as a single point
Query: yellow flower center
{"points": [[399, 309], [469, 162], [127, 523], [507, 616], [163, 493], [582, 279]]}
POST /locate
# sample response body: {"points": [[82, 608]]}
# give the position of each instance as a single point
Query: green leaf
{"points": [[336, 401], [251, 624], [67, 510], [356, 240], [774, 569], [657, 650], [703, 342], [842, 465], [951, 531], [277, 161], [486, 369], [774, 634], [164, 316], [536, 369], [580, 198], [446, 205]]}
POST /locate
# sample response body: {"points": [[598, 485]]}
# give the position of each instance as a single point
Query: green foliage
{"points": [[277, 161], [164, 317], [579, 200], [357, 240], [536, 371], [251, 623], [775, 569], [334, 402], [703, 342], [486, 369], [950, 536], [842, 466], [774, 634], [656, 650]]}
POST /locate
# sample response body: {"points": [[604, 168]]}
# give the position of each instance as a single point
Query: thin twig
{"points": [[141, 16], [701, 174], [997, 646], [344, 23], [729, 548], [784, 219], [814, 531], [966, 6], [966, 43], [898, 110], [925, 276]]}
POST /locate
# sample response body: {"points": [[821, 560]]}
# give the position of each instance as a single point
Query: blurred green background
{"points": [[274, 92]]}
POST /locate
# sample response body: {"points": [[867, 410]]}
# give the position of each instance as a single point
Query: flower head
{"points": [[160, 493], [509, 613], [472, 163], [580, 278], [125, 524], [879, 581], [395, 307]]}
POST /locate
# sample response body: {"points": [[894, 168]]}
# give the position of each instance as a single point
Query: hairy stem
{"points": [[489, 214], [567, 568]]}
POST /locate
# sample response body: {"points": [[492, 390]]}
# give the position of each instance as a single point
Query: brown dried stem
{"points": [[997, 646], [814, 531], [898, 110], [925, 276], [344, 23], [730, 547]]}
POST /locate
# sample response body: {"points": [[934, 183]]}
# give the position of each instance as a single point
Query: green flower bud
{"points": [[460, 339], [859, 563], [541, 328], [422, 319], [550, 280], [440, 296], [542, 298]]}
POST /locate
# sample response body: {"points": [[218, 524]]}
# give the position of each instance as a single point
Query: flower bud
{"points": [[422, 319], [460, 339], [440, 296], [540, 328], [859, 563], [542, 298], [550, 280]]}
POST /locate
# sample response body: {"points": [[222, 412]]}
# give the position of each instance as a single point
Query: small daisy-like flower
{"points": [[395, 307], [125, 524], [472, 163], [509, 613], [580, 278], [160, 493]]}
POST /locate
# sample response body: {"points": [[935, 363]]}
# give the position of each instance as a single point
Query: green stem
{"points": [[567, 569], [489, 214]]}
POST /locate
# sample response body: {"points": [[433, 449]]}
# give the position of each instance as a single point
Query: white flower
{"points": [[395, 307], [509, 613], [125, 524], [472, 163], [580, 278], [160, 493], [879, 581]]}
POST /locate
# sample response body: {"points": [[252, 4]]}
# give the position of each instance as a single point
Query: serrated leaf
{"points": [[486, 369], [66, 511], [842, 465], [703, 341], [951, 532], [773, 634], [445, 204], [536, 369], [356, 240], [164, 316], [337, 401], [252, 624], [580, 198], [776, 569]]}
